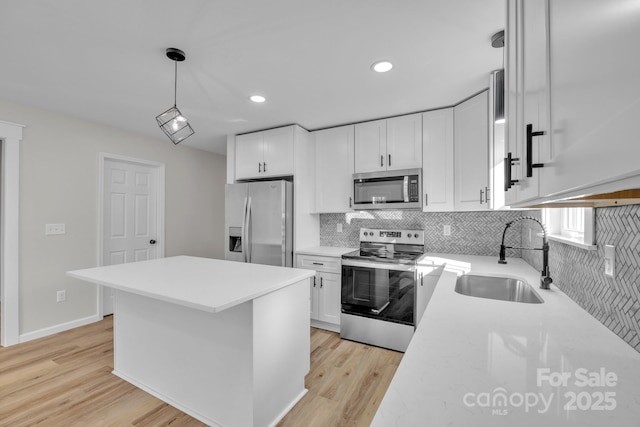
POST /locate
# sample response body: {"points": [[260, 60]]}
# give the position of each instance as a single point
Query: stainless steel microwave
{"points": [[399, 189]]}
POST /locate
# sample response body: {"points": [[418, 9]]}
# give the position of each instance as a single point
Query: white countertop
{"points": [[332, 251], [468, 354], [201, 283]]}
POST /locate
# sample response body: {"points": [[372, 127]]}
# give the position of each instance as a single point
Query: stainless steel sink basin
{"points": [[500, 288]]}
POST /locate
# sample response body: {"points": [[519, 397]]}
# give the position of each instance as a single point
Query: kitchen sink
{"points": [[499, 288]]}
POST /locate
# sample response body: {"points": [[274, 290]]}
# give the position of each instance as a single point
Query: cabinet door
{"points": [[427, 279], [513, 94], [334, 169], [371, 146], [404, 142], [313, 294], [249, 155], [471, 136], [329, 298], [437, 160], [278, 152], [594, 69], [534, 96]]}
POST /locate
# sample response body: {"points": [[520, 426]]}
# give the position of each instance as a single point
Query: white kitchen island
{"points": [[225, 342]]}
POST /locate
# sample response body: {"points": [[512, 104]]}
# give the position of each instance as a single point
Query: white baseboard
{"points": [[45, 332], [324, 325]]}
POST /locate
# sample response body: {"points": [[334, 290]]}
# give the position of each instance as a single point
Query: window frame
{"points": [[556, 221]]}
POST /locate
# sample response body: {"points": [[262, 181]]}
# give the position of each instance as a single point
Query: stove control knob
{"points": [[409, 235]]}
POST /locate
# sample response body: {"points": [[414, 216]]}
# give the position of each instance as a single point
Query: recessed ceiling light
{"points": [[382, 66], [257, 98]]}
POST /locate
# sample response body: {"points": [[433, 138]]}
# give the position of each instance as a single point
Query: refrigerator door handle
{"points": [[247, 231], [243, 231]]}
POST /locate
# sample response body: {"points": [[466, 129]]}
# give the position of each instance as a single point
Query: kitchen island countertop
{"points": [[483, 362], [205, 284]]}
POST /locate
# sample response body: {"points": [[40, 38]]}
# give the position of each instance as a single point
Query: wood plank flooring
{"points": [[66, 380]]}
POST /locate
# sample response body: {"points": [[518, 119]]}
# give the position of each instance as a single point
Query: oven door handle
{"points": [[346, 262]]}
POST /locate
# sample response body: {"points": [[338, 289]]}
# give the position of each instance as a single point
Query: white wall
{"points": [[58, 184]]}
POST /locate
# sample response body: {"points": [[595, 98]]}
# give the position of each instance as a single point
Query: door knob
{"points": [[153, 242]]}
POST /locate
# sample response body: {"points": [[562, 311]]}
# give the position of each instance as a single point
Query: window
{"points": [[574, 226]]}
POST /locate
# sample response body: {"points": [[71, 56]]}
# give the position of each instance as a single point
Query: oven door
{"points": [[379, 290]]}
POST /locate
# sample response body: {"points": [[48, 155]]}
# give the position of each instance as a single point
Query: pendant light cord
{"points": [[175, 83]]}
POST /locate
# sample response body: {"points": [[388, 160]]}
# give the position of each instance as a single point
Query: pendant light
{"points": [[172, 122]]}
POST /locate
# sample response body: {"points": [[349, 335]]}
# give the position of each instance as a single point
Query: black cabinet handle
{"points": [[153, 242], [321, 284], [530, 164], [508, 162], [481, 196], [426, 199], [350, 204], [381, 160], [318, 263], [259, 167], [389, 159], [264, 166]]}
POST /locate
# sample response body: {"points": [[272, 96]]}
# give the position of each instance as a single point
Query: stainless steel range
{"points": [[379, 288]]}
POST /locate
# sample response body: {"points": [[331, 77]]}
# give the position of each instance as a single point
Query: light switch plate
{"points": [[50, 229], [339, 227], [446, 230], [609, 260]]}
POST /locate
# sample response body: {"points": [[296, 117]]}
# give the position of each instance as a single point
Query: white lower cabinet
{"points": [[325, 290], [428, 276]]}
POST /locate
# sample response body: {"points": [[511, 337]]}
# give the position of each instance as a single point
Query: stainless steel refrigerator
{"points": [[259, 222]]}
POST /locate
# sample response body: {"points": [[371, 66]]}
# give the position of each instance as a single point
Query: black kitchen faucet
{"points": [[545, 279]]}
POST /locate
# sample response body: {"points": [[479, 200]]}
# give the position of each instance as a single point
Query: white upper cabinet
{"points": [[471, 154], [404, 142], [265, 154], [371, 146], [334, 169], [595, 88], [437, 160], [527, 72], [389, 144]]}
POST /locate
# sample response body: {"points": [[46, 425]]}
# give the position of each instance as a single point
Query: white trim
{"points": [[160, 169], [50, 330], [11, 135], [572, 242]]}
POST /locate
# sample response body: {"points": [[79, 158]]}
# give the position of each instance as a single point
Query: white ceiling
{"points": [[105, 61]]}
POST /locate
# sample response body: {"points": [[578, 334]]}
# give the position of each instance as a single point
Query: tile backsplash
{"points": [[579, 273], [472, 233]]}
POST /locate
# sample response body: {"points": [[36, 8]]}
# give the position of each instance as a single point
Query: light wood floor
{"points": [[66, 380]]}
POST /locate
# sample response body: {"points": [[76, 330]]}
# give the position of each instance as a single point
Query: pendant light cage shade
{"points": [[172, 122], [174, 125], [498, 101]]}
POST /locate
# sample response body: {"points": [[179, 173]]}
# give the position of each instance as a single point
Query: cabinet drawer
{"points": [[320, 263]]}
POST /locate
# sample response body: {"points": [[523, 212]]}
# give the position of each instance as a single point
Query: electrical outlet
{"points": [[609, 260], [446, 230], [339, 227], [50, 229], [61, 296]]}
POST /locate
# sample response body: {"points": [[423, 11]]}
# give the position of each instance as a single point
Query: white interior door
{"points": [[130, 226]]}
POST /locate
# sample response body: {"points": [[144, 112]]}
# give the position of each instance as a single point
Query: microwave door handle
{"points": [[406, 188]]}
